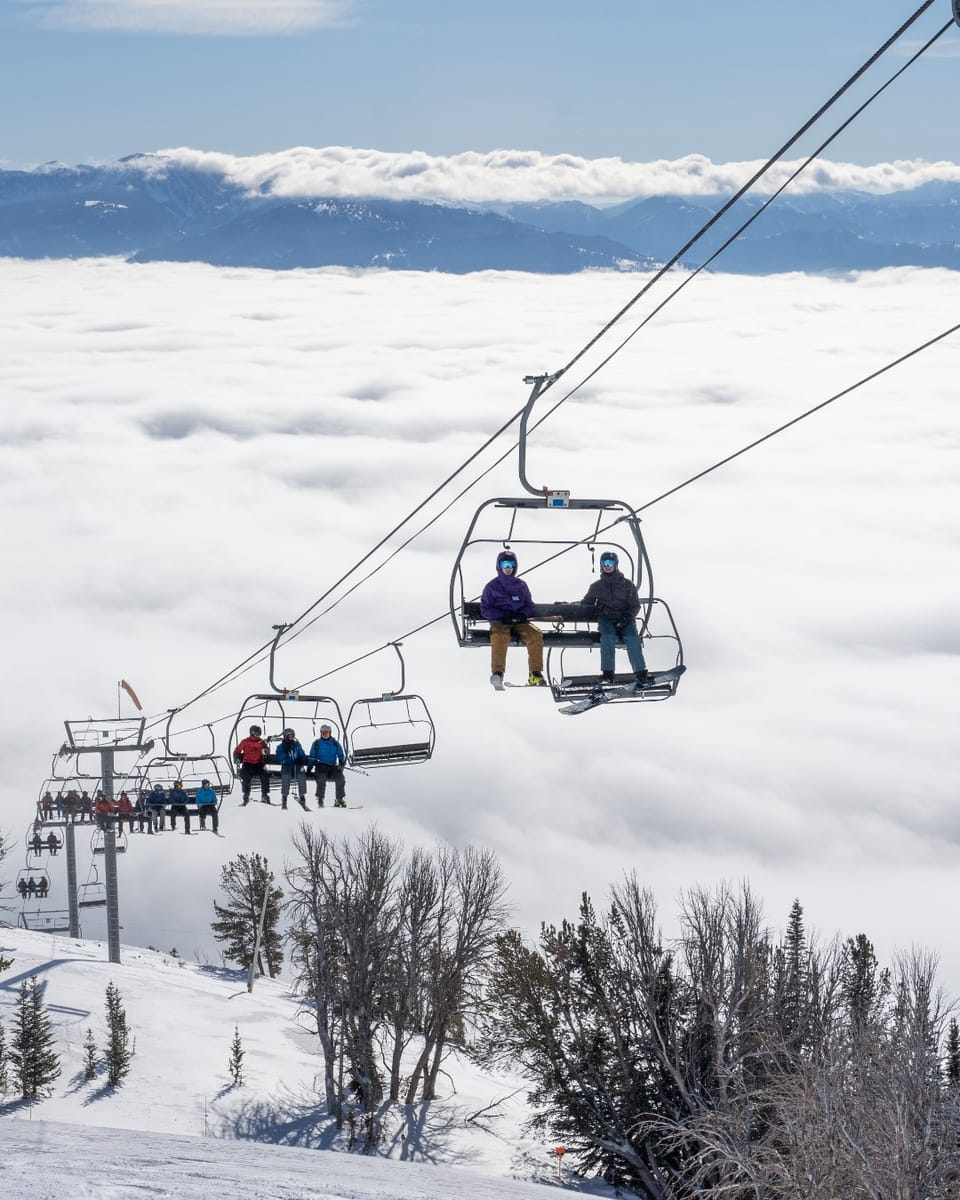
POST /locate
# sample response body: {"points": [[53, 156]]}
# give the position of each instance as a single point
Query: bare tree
{"points": [[469, 914], [347, 926], [317, 947], [417, 902]]}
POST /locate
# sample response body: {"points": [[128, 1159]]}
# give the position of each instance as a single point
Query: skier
{"points": [[178, 806], [104, 811], [617, 603], [506, 603], [329, 757], [206, 799], [124, 811], [251, 755], [293, 766], [157, 804]]}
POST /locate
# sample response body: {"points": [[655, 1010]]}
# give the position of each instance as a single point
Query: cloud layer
{"points": [[530, 175], [191, 455]]}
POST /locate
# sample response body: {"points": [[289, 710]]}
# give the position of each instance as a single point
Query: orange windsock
{"points": [[132, 694]]}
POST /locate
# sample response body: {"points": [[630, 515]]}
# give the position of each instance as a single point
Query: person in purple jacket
{"points": [[506, 603]]}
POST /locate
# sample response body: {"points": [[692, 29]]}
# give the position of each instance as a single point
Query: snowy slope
{"points": [[182, 1017]]}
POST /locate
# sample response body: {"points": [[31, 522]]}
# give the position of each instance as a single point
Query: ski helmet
{"points": [[256, 729]]}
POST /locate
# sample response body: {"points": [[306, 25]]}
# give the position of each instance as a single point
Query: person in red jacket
{"points": [[124, 810], [103, 811], [251, 757]]}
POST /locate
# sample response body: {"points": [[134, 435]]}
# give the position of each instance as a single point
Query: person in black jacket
{"points": [[617, 604]]}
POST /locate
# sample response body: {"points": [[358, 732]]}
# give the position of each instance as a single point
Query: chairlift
{"points": [[595, 526], [285, 708], [392, 729]]}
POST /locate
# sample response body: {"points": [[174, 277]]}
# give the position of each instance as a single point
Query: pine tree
{"points": [[4, 1068], [236, 1059], [32, 1053], [245, 880], [951, 1067], [89, 1056], [118, 1052]]}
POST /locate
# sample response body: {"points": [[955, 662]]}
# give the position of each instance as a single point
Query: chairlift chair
{"points": [[187, 769], [567, 623], [41, 881], [98, 843], [45, 921], [93, 893], [77, 781], [285, 708], [392, 729], [38, 833]]}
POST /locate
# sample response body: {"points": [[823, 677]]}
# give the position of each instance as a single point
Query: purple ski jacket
{"points": [[505, 597]]}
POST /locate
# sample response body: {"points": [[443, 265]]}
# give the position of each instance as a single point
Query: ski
{"points": [[604, 695]]}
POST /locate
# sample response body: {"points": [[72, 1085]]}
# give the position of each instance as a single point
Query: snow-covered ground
{"points": [[177, 1127]]}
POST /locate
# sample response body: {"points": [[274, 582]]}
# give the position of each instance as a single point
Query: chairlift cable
{"points": [[757, 175]]}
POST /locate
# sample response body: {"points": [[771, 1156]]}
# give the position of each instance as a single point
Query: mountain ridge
{"points": [[151, 207]]}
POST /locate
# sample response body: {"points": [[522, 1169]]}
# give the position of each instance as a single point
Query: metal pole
{"points": [[70, 845], [110, 859], [256, 940]]}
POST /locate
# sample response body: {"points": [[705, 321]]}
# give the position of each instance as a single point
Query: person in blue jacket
{"points": [[293, 766], [157, 804], [206, 802], [507, 604], [329, 757]]}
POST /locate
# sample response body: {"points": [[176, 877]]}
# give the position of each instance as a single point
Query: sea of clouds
{"points": [[191, 455]]}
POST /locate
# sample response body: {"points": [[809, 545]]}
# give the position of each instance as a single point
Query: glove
{"points": [[620, 627], [517, 618]]}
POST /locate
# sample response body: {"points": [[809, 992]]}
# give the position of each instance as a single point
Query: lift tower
{"points": [[107, 738]]}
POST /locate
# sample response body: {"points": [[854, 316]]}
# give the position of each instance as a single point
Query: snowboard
{"points": [[605, 695]]}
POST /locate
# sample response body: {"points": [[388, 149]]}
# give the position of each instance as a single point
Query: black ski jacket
{"points": [[615, 596]]}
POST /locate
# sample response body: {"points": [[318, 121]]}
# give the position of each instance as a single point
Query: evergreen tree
{"points": [[4, 1063], [118, 1052], [32, 1052], [245, 880], [236, 1059], [951, 1067], [89, 1056]]}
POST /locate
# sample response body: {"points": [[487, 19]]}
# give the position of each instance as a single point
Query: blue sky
{"points": [[92, 80]]}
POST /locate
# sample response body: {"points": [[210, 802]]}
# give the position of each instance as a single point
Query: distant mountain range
{"points": [[150, 209]]}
